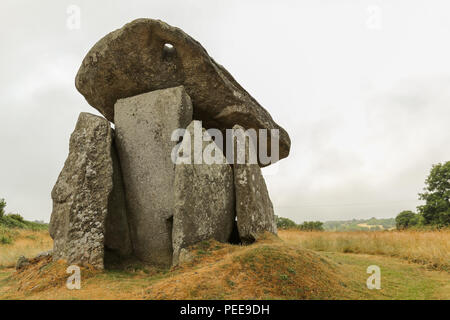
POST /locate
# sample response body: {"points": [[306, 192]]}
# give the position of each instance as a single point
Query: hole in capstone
{"points": [[168, 51]]}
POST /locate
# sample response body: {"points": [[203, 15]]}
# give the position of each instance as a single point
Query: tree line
{"points": [[286, 223], [436, 210]]}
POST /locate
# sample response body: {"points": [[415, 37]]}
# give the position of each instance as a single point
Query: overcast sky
{"points": [[362, 87]]}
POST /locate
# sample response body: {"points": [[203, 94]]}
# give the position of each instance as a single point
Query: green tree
{"points": [[406, 219], [436, 210], [285, 223], [16, 216], [311, 226], [2, 207]]}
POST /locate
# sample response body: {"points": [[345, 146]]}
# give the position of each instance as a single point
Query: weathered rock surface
{"points": [[144, 125], [184, 256], [22, 262], [254, 209], [147, 55], [117, 236], [83, 197], [204, 194], [44, 254]]}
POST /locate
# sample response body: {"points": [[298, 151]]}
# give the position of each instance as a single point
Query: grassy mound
{"points": [[42, 275], [269, 269]]}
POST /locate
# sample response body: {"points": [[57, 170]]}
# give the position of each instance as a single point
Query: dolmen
{"points": [[176, 158]]}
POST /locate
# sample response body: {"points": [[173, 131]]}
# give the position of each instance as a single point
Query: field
{"points": [[297, 265], [360, 225], [24, 242], [430, 248]]}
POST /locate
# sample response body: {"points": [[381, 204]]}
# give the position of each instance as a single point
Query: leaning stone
{"points": [[254, 209], [144, 126], [82, 196], [204, 193], [147, 55]]}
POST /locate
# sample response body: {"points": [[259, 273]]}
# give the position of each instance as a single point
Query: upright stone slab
{"points": [[117, 236], [204, 192], [254, 209], [144, 125], [87, 197]]}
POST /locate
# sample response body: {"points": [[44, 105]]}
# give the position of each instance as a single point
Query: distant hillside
{"points": [[18, 222], [371, 224], [10, 224]]}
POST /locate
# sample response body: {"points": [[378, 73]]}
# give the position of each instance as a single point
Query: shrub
{"points": [[311, 226], [406, 219], [2, 207], [16, 216], [5, 240], [436, 193], [16, 221], [6, 235], [285, 223]]}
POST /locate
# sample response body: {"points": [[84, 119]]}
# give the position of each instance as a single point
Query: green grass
{"points": [[7, 235], [399, 280], [12, 221]]}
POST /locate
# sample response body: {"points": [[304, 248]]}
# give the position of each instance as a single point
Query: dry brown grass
{"points": [[27, 243], [46, 274], [430, 248], [42, 277], [269, 269]]}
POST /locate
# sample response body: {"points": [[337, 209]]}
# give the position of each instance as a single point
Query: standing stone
{"points": [[144, 125], [82, 197], [204, 193], [117, 236], [254, 209]]}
